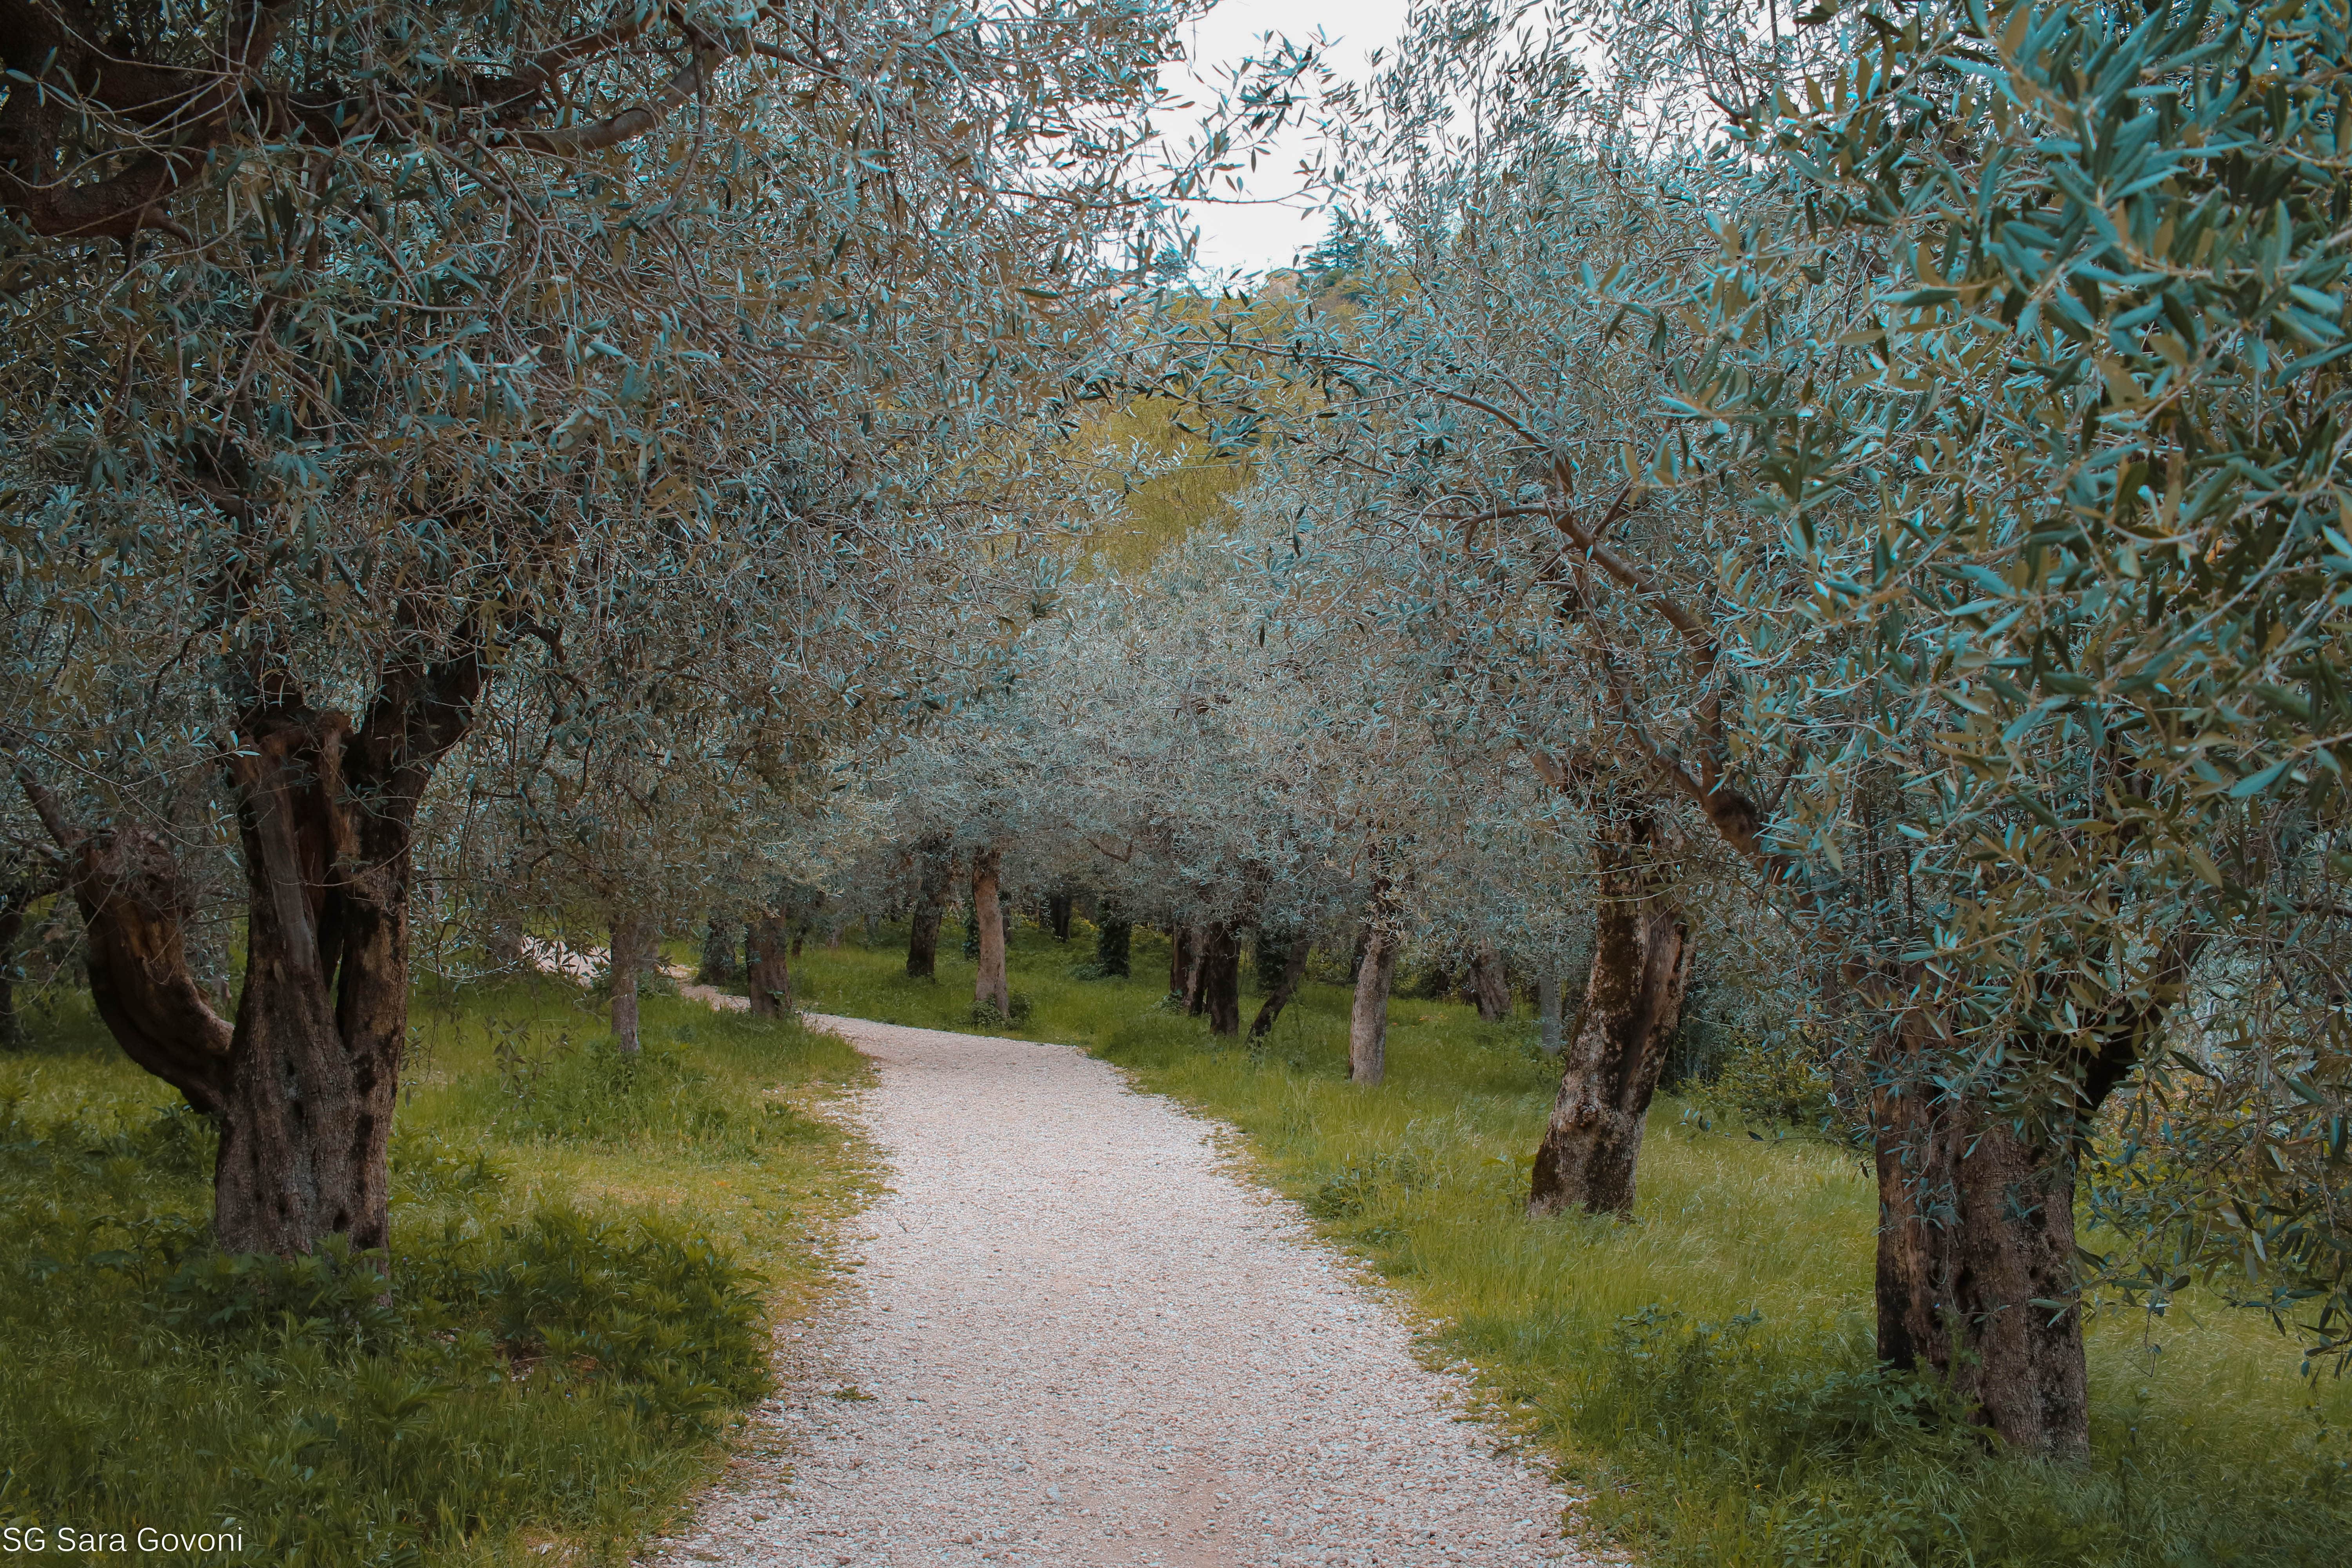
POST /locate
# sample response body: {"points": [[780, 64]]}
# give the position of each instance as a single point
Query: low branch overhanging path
{"points": [[1078, 1340]]}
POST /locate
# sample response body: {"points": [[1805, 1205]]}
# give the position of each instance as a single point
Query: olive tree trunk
{"points": [[632, 949], [1632, 1003], [1975, 1274], [1547, 1010], [1058, 909], [1368, 1022], [1287, 964], [1218, 983], [931, 908], [767, 966], [990, 984], [303, 1083], [1490, 986]]}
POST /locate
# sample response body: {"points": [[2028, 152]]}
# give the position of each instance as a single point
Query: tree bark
{"points": [[1547, 1010], [1183, 963], [990, 984], [767, 966], [1058, 909], [632, 945], [1632, 1001], [1368, 1024], [718, 954], [1284, 984], [931, 908], [1490, 983], [1196, 969], [1976, 1273], [302, 1086], [1219, 983]]}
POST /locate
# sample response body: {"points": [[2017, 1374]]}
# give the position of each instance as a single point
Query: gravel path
{"points": [[1078, 1341]]}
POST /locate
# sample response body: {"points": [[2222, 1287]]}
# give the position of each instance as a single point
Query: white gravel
{"points": [[1078, 1339]]}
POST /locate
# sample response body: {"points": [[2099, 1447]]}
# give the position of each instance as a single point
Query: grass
{"points": [[590, 1257], [1705, 1372]]}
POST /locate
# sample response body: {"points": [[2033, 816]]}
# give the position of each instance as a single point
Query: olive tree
{"points": [[349, 349]]}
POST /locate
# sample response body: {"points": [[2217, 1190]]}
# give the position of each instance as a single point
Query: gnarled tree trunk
{"points": [[1632, 1001], [302, 1086], [1490, 986], [632, 950], [1976, 1238], [1219, 985], [1183, 963], [930, 909], [1287, 964], [1058, 909], [767, 966], [990, 984], [1976, 1264]]}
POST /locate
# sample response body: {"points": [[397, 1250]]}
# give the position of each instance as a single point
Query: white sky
{"points": [[1253, 238]]}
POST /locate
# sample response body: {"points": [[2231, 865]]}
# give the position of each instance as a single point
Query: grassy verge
{"points": [[590, 1259], [1706, 1371]]}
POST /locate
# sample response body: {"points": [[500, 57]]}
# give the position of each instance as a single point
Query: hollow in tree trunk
{"points": [[303, 1084], [1547, 1010], [632, 949], [717, 953], [1058, 910], [1281, 968], [1633, 1003], [931, 908], [1219, 985], [1490, 986], [990, 983], [767, 966]]}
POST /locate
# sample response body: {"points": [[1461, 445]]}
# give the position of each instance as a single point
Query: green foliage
{"points": [[1112, 939], [986, 1014], [1766, 1082], [551, 1351], [2067, 487]]}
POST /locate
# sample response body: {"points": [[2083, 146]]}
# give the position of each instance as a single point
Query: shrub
{"points": [[986, 1016]]}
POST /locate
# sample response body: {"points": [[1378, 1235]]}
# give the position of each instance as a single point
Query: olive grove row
{"points": [[1854, 501]]}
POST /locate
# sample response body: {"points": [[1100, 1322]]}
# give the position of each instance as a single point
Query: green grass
{"points": [[1706, 1371], [589, 1255]]}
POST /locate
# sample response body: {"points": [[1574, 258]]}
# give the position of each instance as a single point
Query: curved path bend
{"points": [[1078, 1339]]}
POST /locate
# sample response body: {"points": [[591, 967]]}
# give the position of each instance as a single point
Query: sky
{"points": [[1253, 238]]}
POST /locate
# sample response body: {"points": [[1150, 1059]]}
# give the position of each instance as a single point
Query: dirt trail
{"points": [[1076, 1341]]}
